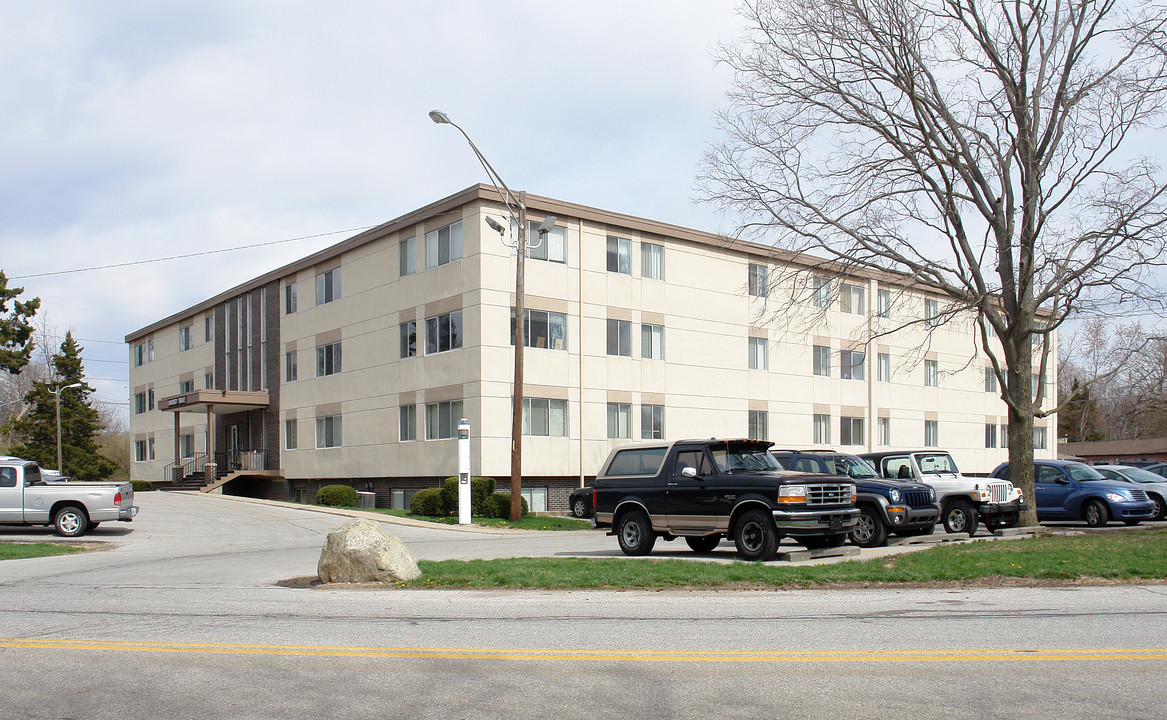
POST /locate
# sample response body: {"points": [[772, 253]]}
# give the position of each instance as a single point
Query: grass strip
{"points": [[530, 522], [20, 551], [1120, 556]]}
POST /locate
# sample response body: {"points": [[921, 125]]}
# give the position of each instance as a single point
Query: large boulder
{"points": [[363, 551]]}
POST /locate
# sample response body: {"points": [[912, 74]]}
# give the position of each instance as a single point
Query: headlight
{"points": [[1117, 497], [792, 494], [932, 494], [894, 495]]}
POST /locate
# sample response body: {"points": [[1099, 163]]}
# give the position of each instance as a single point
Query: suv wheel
{"points": [[755, 536], [579, 508], [960, 517], [635, 534], [870, 531]]}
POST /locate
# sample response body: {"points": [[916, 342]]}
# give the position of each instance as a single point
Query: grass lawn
{"points": [[19, 551], [1129, 556]]}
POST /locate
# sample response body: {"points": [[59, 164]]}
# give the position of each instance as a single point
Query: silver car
{"points": [[1154, 485]]}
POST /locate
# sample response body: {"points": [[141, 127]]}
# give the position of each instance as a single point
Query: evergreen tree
{"points": [[79, 421], [15, 328]]}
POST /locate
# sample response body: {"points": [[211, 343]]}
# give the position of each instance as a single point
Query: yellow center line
{"points": [[739, 656]]}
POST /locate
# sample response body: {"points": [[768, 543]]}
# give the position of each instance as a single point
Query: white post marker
{"points": [[463, 472]]}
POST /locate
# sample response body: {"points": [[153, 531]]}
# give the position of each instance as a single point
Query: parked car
{"points": [[1158, 468], [580, 502], [703, 490], [71, 508], [903, 507], [1070, 490], [1154, 485], [963, 500]]}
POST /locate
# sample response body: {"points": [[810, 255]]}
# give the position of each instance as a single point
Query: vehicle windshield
{"points": [[1140, 475], [850, 466], [936, 463], [1080, 472], [742, 459]]}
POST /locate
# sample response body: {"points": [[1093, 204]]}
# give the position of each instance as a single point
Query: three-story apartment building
{"points": [[355, 364]]}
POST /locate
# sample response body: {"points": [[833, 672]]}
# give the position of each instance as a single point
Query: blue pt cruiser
{"points": [[1068, 490]]}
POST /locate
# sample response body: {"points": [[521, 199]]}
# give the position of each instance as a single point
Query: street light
{"points": [[57, 396], [518, 214]]}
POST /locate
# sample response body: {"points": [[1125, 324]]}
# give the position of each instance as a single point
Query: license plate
{"points": [[836, 523]]}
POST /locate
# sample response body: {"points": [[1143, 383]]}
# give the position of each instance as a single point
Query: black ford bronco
{"points": [[704, 490]]}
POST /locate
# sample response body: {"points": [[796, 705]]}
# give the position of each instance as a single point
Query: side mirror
{"points": [[1062, 481], [689, 472]]}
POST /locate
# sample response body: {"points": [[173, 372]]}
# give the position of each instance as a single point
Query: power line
{"points": [[188, 255]]}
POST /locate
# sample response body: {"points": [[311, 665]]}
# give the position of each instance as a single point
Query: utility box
{"points": [[366, 499]]}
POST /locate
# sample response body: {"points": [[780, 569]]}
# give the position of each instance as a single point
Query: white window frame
{"points": [[821, 424], [328, 432], [852, 365], [619, 421], [554, 323], [883, 370], [619, 338], [619, 255], [291, 434], [931, 373], [759, 355], [852, 299], [758, 423], [883, 431], [441, 419], [652, 342], [407, 423], [652, 261], [852, 431], [652, 422], [822, 292], [443, 246], [444, 332], [821, 360], [759, 280], [931, 433], [328, 359], [544, 417], [328, 286]]}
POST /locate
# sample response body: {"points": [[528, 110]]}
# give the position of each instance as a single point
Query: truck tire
{"points": [[70, 521], [870, 531], [635, 533], [960, 517], [1160, 509], [1094, 513], [703, 544], [579, 508], [755, 536]]}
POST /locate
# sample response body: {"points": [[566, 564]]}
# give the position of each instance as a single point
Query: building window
{"points": [[822, 429], [619, 421], [290, 372], [851, 430], [1034, 385], [822, 360], [851, 299], [759, 422], [932, 312], [443, 245], [552, 247], [139, 354], [209, 328], [1004, 435], [150, 350], [139, 403], [990, 380], [543, 417], [185, 386], [932, 373], [443, 332], [328, 431], [990, 435], [619, 255], [408, 333], [883, 429], [328, 286], [542, 329], [884, 300], [140, 451], [822, 292], [290, 298], [186, 446], [931, 433], [851, 364], [883, 360], [407, 423], [652, 342], [619, 338], [759, 280], [327, 359], [209, 381], [407, 252], [291, 428], [759, 357], [150, 448], [184, 338], [441, 419], [1039, 438], [150, 399], [652, 261], [652, 422]]}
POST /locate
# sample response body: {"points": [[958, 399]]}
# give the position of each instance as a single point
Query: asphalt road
{"points": [[183, 620]]}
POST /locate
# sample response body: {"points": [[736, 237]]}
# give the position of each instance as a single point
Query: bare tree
{"points": [[971, 147]]}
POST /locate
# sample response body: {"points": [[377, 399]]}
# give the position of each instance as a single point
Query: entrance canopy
{"points": [[219, 402]]}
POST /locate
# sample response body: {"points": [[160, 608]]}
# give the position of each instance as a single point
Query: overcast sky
{"points": [[131, 131]]}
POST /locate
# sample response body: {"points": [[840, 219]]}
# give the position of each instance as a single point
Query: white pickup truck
{"points": [[70, 507]]}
